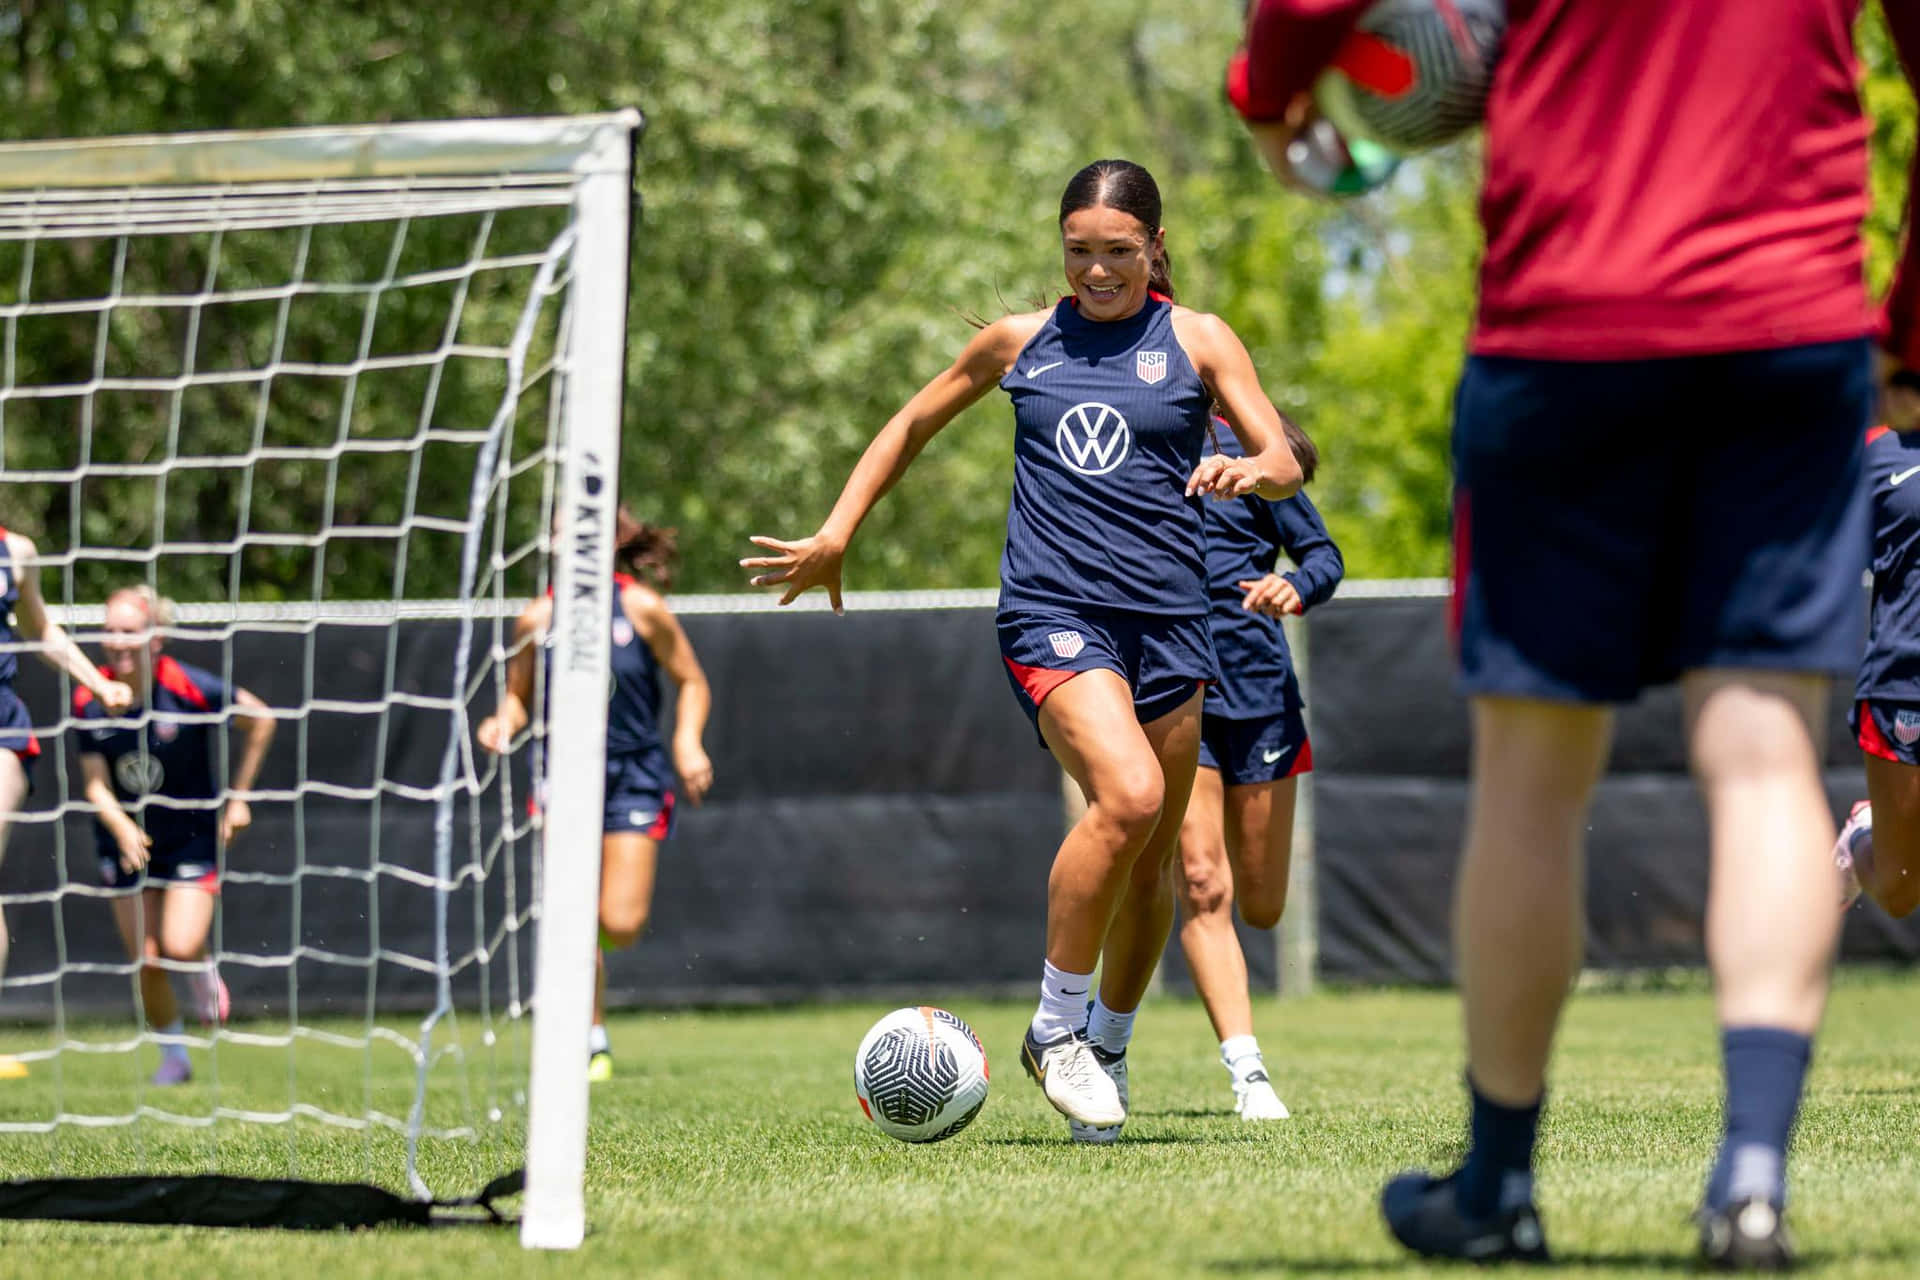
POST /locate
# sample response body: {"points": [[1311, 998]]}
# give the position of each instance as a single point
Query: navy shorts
{"points": [[194, 862], [1889, 730], [1618, 523], [16, 731], [637, 800], [1162, 659], [1261, 749]]}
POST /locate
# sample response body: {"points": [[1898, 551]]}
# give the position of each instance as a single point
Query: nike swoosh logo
{"points": [[1901, 477], [1272, 756], [1036, 372]]}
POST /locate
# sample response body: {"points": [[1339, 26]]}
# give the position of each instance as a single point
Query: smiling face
{"points": [[130, 641], [1109, 260]]}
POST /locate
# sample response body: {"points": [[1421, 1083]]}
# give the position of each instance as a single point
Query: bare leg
{"points": [[138, 916], [1890, 871], [1207, 939], [13, 794]]}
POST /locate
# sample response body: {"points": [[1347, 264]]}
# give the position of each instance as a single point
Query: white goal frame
{"points": [[66, 188]]}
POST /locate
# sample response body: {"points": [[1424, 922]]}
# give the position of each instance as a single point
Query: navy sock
{"points": [[1766, 1068], [1499, 1165]]}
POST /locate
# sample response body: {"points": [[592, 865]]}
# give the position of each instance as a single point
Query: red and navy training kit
{"points": [[1254, 725], [1658, 435], [1105, 564], [16, 725], [1886, 708], [639, 787], [161, 760]]}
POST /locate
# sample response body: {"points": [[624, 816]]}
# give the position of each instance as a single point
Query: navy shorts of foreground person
{"points": [[1619, 522]]}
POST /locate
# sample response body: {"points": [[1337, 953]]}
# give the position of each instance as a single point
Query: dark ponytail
{"points": [[1305, 451], [644, 551], [1122, 185]]}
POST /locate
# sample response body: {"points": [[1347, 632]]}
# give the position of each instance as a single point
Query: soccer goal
{"points": [[308, 382]]}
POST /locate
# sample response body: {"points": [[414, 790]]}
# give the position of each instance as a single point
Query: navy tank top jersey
{"points": [[1110, 418], [633, 704], [9, 597]]}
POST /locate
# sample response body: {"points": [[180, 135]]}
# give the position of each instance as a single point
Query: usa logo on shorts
{"points": [[1066, 644], [166, 730], [1906, 727], [1150, 365]]}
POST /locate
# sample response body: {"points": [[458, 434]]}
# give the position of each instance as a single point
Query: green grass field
{"points": [[730, 1145]]}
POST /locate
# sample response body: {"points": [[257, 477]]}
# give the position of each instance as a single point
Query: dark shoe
{"points": [[1747, 1235], [1423, 1212]]}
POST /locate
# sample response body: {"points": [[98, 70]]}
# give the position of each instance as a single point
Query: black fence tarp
{"points": [[882, 822]]}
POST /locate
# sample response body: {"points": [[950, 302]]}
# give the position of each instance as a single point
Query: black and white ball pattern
{"points": [[1449, 46], [920, 1074]]}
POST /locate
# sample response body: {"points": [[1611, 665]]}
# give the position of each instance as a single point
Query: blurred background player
{"points": [[1103, 598], [1236, 844], [1879, 848], [171, 853], [1657, 458], [24, 621], [638, 809]]}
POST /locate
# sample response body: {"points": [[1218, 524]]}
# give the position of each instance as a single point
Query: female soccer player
{"points": [[1237, 841], [1103, 599], [1879, 848], [24, 620], [1725, 330], [638, 810], [165, 765]]}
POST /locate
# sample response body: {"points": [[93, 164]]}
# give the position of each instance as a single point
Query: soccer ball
{"points": [[1414, 73], [920, 1074]]}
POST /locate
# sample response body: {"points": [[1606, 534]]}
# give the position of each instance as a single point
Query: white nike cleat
{"points": [[1254, 1099], [1115, 1065], [1073, 1080], [1859, 827]]}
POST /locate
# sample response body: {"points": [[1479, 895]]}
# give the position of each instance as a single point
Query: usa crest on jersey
{"points": [[1150, 365]]}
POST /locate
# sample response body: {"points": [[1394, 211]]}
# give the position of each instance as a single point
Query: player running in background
{"points": [[1657, 454], [23, 622], [1236, 844], [638, 808], [1103, 597], [164, 766], [1882, 857]]}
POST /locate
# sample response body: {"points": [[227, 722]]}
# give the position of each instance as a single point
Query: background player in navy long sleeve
{"points": [[1879, 848], [1103, 605], [1236, 844], [159, 819], [1657, 454], [24, 620], [637, 811]]}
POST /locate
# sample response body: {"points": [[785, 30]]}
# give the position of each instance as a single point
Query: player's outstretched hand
{"points": [[235, 818], [695, 770], [1222, 477], [1272, 595], [802, 566], [134, 847], [116, 697], [493, 735]]}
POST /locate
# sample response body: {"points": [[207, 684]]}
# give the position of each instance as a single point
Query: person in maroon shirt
{"points": [[1657, 452]]}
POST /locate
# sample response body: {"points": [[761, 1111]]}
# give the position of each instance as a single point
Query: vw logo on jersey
{"points": [[622, 632], [139, 773], [1150, 365], [1092, 438]]}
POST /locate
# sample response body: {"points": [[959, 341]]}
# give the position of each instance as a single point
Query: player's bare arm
{"points": [[57, 648], [1221, 360], [815, 562], [497, 731], [256, 726], [647, 610], [132, 842]]}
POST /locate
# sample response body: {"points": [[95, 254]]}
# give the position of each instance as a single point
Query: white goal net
{"points": [[307, 382]]}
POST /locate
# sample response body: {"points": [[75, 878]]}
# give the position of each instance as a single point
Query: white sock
{"points": [[597, 1039], [1241, 1055], [174, 1029], [1111, 1031], [1063, 1002]]}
